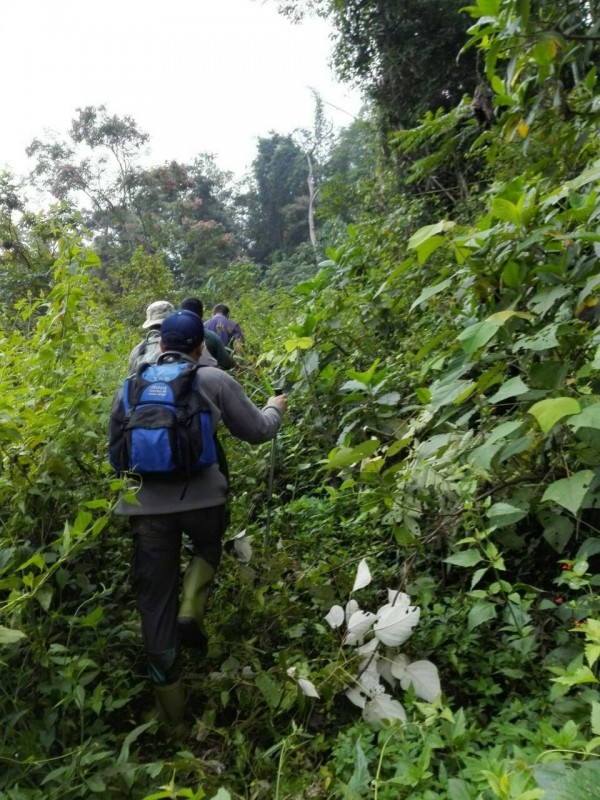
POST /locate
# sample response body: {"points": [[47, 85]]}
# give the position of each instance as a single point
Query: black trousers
{"points": [[156, 569]]}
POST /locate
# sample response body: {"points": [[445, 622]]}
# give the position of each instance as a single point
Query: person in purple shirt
{"points": [[228, 331]]}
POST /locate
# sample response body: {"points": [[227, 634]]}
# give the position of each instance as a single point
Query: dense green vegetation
{"points": [[435, 516]]}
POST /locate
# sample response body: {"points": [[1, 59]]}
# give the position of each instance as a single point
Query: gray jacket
{"points": [[229, 405]]}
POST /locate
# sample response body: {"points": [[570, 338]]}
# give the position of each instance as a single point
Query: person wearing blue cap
{"points": [[191, 503]]}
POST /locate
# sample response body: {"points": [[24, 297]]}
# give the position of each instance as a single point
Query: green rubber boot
{"points": [[170, 703], [196, 587]]}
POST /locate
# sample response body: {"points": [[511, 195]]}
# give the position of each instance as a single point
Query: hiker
{"points": [[212, 342], [148, 349], [191, 501], [228, 331]]}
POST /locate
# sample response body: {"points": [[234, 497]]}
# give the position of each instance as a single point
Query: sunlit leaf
{"points": [[357, 696], [466, 558], [430, 291], [502, 514], [335, 618], [363, 576], [570, 492], [359, 625], [10, 635], [398, 598], [426, 232], [351, 607], [548, 412], [394, 626], [481, 612], [423, 676], [511, 388], [243, 549], [307, 687], [383, 708]]}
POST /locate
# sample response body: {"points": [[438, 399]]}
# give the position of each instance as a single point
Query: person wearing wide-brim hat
{"points": [[148, 349]]}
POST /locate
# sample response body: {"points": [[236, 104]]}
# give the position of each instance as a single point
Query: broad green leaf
{"points": [[570, 492], [466, 558], [592, 654], [558, 532], [545, 339], [481, 612], [130, 739], [364, 377], [430, 291], [10, 635], [596, 718], [425, 233], [514, 274], [562, 781], [588, 418], [506, 211], [222, 794], [269, 689], [503, 316], [502, 514], [428, 247], [299, 343], [543, 301], [503, 431], [478, 335], [360, 778], [548, 412], [458, 790], [388, 399], [511, 388], [346, 456]]}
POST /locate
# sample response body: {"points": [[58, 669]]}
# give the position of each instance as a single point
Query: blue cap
{"points": [[182, 331]]}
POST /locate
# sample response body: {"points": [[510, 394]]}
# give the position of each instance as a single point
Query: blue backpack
{"points": [[162, 426]]}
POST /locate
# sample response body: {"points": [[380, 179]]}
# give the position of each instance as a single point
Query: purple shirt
{"points": [[226, 329]]}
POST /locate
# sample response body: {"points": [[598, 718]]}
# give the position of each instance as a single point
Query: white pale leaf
{"points": [[247, 672], [307, 687], [351, 607], [397, 598], [291, 672], [383, 707], [335, 617], [357, 696], [424, 678], [368, 648], [399, 666], [359, 625], [240, 535], [370, 683], [363, 576], [395, 625], [384, 667], [243, 549]]}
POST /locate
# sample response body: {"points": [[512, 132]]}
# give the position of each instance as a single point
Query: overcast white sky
{"points": [[197, 75]]}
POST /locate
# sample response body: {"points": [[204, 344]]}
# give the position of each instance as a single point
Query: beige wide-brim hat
{"points": [[156, 312]]}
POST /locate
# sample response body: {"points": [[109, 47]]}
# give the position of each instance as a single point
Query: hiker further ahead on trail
{"points": [[228, 331], [162, 428], [212, 342], [148, 349]]}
